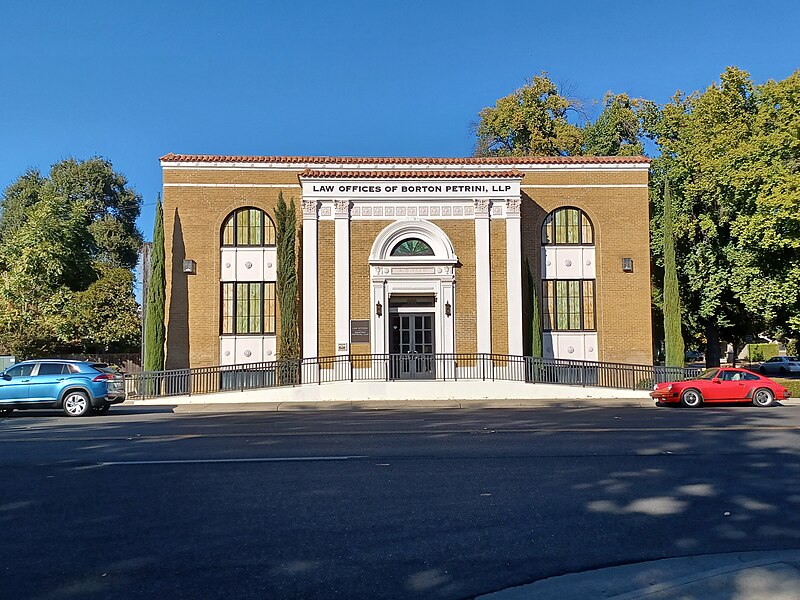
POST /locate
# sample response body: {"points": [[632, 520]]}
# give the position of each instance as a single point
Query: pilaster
{"points": [[483, 286], [310, 280], [514, 276], [341, 215]]}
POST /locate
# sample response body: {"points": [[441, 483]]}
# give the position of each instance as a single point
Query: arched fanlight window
{"points": [[412, 247], [567, 227], [248, 227]]}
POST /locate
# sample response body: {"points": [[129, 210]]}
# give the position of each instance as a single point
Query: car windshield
{"points": [[709, 374]]}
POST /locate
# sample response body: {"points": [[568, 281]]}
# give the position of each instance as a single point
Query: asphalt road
{"points": [[381, 504]]}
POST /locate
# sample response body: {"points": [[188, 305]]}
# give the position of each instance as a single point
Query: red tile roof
{"points": [[360, 160], [511, 173]]}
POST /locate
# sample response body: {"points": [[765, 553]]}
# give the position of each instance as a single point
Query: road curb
{"points": [[705, 576]]}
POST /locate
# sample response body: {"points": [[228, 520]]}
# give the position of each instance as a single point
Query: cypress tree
{"points": [[154, 317], [286, 284], [536, 314], [672, 304]]}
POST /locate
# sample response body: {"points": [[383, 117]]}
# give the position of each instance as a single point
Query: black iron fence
{"points": [[395, 367]]}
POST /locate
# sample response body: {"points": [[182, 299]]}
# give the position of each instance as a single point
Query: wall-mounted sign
{"points": [[500, 188], [359, 331]]}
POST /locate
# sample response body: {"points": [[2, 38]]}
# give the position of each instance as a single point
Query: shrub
{"points": [[761, 352]]}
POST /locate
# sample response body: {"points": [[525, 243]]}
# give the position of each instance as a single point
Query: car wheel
{"points": [[101, 410], [763, 397], [691, 398], [76, 404], [4, 412]]}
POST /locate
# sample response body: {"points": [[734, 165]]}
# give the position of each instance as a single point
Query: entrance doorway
{"points": [[411, 345]]}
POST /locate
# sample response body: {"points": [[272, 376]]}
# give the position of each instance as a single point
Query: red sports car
{"points": [[721, 385]]}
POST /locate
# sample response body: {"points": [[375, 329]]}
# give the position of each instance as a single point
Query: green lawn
{"points": [[793, 385]]}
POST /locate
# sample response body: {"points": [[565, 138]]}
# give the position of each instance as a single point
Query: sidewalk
{"points": [[735, 576], [190, 404], [402, 404]]}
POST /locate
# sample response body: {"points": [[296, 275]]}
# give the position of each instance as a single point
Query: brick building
{"points": [[409, 255]]}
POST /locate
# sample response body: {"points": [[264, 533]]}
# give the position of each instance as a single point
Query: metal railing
{"points": [[395, 367]]}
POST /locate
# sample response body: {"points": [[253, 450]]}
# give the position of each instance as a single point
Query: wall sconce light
{"points": [[189, 267], [447, 308], [379, 309], [627, 265]]}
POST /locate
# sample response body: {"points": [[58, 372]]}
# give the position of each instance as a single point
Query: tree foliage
{"points": [[531, 121], [154, 333], [536, 312], [673, 336], [286, 276], [733, 154], [61, 236], [617, 131]]}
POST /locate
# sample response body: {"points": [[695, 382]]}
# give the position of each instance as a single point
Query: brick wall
{"points": [[362, 236], [325, 285], [499, 289], [621, 223], [462, 235], [193, 217]]}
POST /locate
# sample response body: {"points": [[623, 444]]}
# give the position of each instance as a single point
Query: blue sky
{"points": [[131, 81]]}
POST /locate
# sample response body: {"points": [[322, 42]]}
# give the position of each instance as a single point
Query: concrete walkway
{"points": [[736, 576], [391, 391], [194, 404]]}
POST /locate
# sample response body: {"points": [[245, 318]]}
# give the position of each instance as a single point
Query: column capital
{"points": [[513, 208], [482, 206], [310, 209], [341, 209]]}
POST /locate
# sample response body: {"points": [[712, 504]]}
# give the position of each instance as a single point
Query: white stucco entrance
{"points": [[413, 277]]}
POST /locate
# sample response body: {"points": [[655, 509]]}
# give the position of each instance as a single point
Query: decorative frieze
{"points": [[510, 208]]}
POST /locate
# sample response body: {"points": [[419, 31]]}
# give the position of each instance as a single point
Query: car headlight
{"points": [[669, 387]]}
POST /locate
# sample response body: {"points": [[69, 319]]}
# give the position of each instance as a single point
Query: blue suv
{"points": [[78, 388]]}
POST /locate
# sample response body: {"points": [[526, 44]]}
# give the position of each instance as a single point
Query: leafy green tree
{"points": [[617, 131], [286, 284], [531, 121], [672, 305], [54, 245], [154, 332], [18, 198], [766, 229], [91, 188], [105, 315], [731, 152]]}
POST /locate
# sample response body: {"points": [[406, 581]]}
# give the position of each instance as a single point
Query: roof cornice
{"points": [[172, 160], [409, 174]]}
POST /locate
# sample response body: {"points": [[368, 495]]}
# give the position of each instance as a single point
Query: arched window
{"points": [[412, 247], [248, 227], [567, 227], [568, 302]]}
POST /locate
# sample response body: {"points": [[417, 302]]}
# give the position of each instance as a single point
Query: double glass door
{"points": [[411, 346]]}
